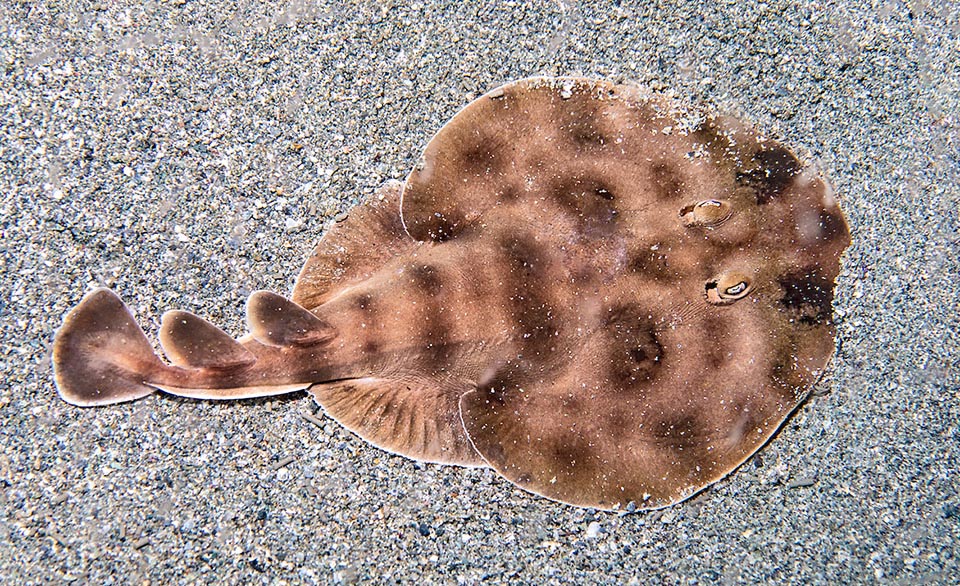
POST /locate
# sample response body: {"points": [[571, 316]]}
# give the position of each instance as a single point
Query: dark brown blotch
{"points": [[652, 263], [485, 155], [809, 296], [771, 171], [832, 226], [711, 135], [365, 304], [441, 227], [427, 279], [510, 193], [581, 124], [435, 353], [525, 258], [621, 423], [572, 454], [678, 430], [590, 201], [369, 309], [667, 181], [536, 321], [717, 350], [571, 406], [636, 354], [433, 326]]}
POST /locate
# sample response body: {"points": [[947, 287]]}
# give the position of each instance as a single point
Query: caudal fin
{"points": [[101, 356], [100, 353]]}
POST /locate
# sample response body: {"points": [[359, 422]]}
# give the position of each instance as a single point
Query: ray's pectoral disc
{"points": [[573, 287]]}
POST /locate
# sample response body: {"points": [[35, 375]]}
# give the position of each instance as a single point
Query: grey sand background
{"points": [[187, 153]]}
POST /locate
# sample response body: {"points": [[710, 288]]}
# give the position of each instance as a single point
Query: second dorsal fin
{"points": [[274, 320], [192, 342]]}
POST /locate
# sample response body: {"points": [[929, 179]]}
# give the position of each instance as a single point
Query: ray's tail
{"points": [[101, 356]]}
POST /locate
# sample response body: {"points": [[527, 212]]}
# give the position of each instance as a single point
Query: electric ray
{"points": [[604, 296]]}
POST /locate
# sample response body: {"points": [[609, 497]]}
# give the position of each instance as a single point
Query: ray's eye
{"points": [[728, 288], [706, 213]]}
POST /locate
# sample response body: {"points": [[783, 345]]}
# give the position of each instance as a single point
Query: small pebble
{"points": [[802, 481], [593, 530], [283, 462]]}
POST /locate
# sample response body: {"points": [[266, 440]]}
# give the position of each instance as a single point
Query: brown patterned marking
{"points": [[678, 430], [652, 262], [572, 406], [572, 454], [832, 226], [773, 169], [442, 227], [483, 156], [371, 345], [434, 322], [583, 129], [809, 295], [783, 371], [434, 336], [525, 258], [712, 135], [536, 320], [365, 304], [510, 193], [667, 181], [636, 355], [369, 314], [427, 279], [620, 424], [717, 331], [590, 201]]}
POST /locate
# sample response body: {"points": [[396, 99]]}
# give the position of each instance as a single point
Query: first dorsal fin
{"points": [[274, 320], [192, 342]]}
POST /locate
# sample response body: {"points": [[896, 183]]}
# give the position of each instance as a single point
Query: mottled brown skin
{"points": [[573, 287]]}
